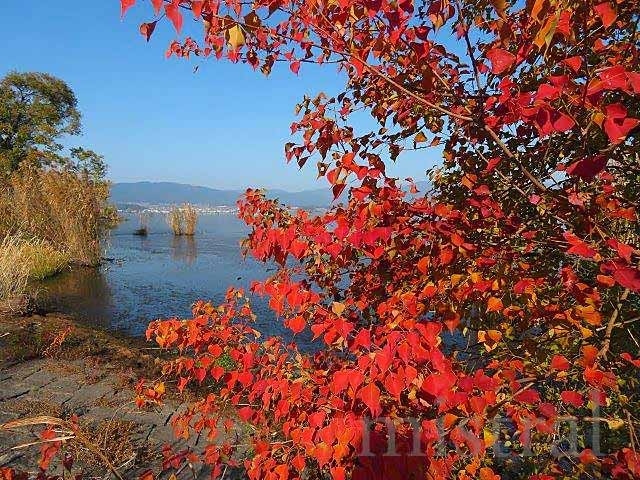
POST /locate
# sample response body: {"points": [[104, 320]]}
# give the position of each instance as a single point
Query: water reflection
{"points": [[184, 249], [160, 276], [81, 289]]}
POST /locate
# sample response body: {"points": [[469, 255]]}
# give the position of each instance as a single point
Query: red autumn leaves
{"points": [[493, 294]]}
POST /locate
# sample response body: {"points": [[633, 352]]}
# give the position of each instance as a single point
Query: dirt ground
{"points": [[53, 366]]}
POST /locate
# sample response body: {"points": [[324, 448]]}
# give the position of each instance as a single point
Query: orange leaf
{"points": [[323, 453], [370, 395], [487, 474], [337, 308], [494, 304]]}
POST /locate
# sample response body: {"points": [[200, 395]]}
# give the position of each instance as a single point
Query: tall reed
{"points": [[14, 273], [183, 220], [190, 215], [176, 220], [62, 208], [22, 260]]}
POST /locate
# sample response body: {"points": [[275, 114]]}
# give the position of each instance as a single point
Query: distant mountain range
{"points": [[163, 193]]}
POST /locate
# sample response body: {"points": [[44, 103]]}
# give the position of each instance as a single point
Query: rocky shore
{"points": [[52, 366]]}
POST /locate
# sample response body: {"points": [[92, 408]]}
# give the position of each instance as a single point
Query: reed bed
{"points": [[23, 260], [64, 210], [183, 220], [14, 273]]}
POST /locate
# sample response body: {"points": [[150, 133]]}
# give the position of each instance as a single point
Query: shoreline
{"points": [[53, 365]]}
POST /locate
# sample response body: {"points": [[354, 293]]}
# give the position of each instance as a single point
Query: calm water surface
{"points": [[160, 276]]}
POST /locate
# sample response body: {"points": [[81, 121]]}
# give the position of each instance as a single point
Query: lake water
{"points": [[160, 276]]}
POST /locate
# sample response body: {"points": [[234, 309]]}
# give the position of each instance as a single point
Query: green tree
{"points": [[36, 111]]}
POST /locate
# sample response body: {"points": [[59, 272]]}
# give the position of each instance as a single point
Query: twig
{"points": [[611, 325]]}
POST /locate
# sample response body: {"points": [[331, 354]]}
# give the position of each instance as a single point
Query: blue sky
{"points": [[155, 119]]}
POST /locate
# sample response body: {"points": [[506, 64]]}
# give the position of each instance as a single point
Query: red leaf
{"points": [[173, 13], [295, 66], [338, 473], [323, 453], [200, 374], [528, 396], [562, 122], [627, 356], [606, 280], [588, 168], [297, 324], [126, 5], [606, 13], [146, 475], [579, 247], [572, 398], [437, 383], [500, 59], [627, 277], [492, 164], [394, 384], [217, 372], [146, 29], [614, 78], [245, 413], [625, 251], [560, 363], [338, 189], [370, 395], [340, 381], [157, 5], [196, 8], [617, 125], [423, 265], [574, 63]]}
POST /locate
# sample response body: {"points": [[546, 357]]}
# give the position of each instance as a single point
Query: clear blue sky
{"points": [[155, 119]]}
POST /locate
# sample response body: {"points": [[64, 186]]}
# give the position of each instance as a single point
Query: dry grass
{"points": [[176, 220], [14, 273], [190, 219], [115, 438], [61, 208], [183, 220], [42, 259], [24, 260]]}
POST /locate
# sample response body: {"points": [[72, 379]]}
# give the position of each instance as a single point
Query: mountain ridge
{"points": [[164, 193]]}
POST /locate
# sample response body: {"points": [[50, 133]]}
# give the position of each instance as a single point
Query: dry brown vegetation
{"points": [[61, 208], [22, 260], [48, 219], [14, 273], [183, 220]]}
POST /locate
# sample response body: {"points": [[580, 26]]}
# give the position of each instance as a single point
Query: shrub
{"points": [[495, 311]]}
